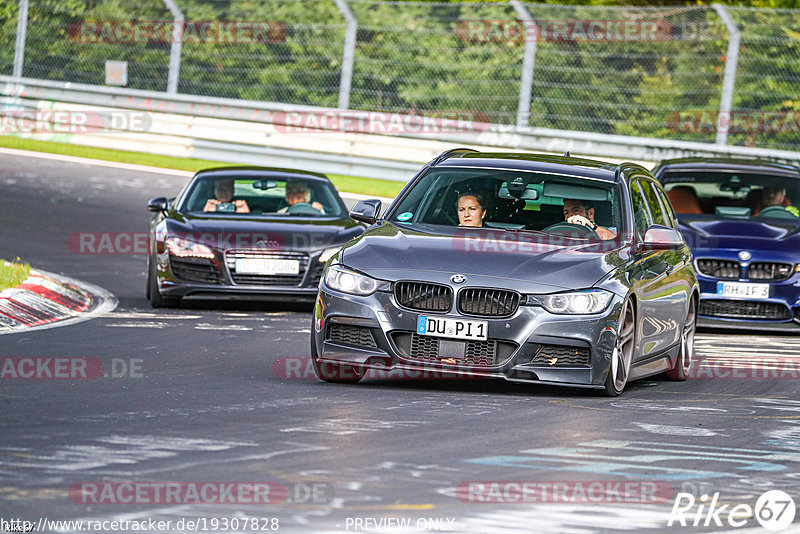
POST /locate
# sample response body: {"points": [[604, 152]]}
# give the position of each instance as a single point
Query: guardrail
{"points": [[263, 133]]}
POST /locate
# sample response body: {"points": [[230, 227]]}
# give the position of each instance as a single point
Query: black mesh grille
{"points": [[560, 356], [744, 309], [487, 302], [723, 269], [358, 336], [422, 296], [769, 271], [476, 353], [266, 279], [195, 270]]}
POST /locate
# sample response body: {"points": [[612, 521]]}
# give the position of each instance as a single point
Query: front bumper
{"points": [[211, 279], [781, 311], [532, 345]]}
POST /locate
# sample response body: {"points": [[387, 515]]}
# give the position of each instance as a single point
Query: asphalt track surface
{"points": [[206, 393]]}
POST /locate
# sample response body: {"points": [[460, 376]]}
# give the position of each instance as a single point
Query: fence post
{"points": [[348, 55], [19, 49], [526, 81], [729, 80], [175, 47]]}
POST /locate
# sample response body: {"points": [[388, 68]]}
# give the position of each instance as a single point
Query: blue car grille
{"points": [[744, 309], [770, 271], [763, 271], [423, 296], [723, 269]]}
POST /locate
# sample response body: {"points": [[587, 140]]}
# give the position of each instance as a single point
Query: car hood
{"points": [[704, 232], [390, 252], [259, 232]]}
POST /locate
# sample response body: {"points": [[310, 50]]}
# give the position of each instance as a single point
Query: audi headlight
{"points": [[183, 248], [583, 302], [347, 281], [328, 254]]}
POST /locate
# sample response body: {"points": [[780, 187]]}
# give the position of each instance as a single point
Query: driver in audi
{"points": [[577, 212], [298, 192]]}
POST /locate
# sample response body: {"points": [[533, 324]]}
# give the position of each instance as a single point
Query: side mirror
{"points": [[158, 204], [366, 210], [660, 237]]}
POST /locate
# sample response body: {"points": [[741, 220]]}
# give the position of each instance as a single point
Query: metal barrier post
{"points": [[729, 80], [19, 49], [348, 55], [526, 81], [175, 47]]}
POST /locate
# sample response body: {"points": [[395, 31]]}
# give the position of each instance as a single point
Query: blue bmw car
{"points": [[741, 222]]}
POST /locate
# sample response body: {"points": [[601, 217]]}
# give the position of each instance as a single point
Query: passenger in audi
{"points": [[580, 212], [223, 201]]}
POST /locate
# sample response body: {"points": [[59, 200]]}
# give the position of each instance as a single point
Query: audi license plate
{"points": [[452, 328], [266, 266], [739, 289]]}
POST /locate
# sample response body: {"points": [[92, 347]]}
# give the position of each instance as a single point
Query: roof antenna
{"points": [[566, 154]]}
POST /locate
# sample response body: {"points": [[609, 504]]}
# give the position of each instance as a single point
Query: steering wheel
{"points": [[565, 228], [303, 208], [776, 211]]}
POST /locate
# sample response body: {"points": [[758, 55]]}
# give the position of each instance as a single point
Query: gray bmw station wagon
{"points": [[529, 268]]}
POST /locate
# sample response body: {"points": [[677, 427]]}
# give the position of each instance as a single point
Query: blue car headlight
{"points": [[348, 281], [582, 302]]}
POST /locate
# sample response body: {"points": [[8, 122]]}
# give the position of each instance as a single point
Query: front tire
{"points": [[684, 363], [153, 295], [622, 354]]}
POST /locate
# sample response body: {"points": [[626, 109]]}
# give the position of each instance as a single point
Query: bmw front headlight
{"points": [[347, 281], [582, 302]]}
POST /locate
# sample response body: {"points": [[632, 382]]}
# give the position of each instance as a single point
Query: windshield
{"points": [[512, 200], [732, 194], [281, 196]]}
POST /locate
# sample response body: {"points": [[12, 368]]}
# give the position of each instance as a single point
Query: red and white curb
{"points": [[45, 300]]}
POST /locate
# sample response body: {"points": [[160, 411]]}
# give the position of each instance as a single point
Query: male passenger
{"points": [[577, 212], [223, 193]]}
